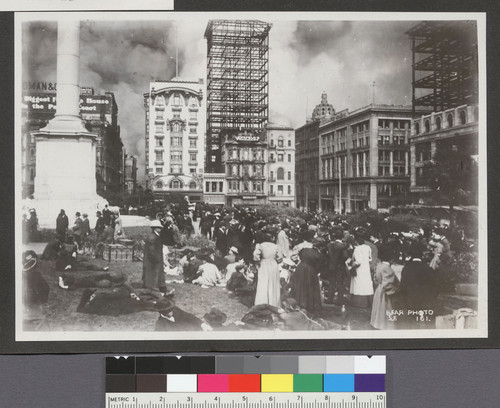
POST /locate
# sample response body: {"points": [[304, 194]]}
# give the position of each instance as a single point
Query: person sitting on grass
{"points": [[209, 274]]}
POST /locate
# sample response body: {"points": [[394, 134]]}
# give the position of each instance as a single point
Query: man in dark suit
{"points": [[337, 255], [418, 292]]}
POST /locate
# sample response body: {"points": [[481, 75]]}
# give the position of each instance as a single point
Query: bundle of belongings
{"points": [[86, 279], [292, 317]]}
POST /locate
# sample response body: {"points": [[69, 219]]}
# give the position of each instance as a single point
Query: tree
{"points": [[452, 175]]}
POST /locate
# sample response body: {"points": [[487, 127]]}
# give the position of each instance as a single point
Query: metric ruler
{"points": [[247, 400]]}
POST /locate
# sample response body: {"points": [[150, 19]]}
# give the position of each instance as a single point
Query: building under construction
{"points": [[444, 58], [237, 83]]}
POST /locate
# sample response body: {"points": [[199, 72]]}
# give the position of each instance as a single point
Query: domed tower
{"points": [[324, 110]]}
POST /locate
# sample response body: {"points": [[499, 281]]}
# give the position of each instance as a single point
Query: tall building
{"points": [[100, 115], [445, 78], [130, 174], [364, 158], [281, 169], [444, 61], [175, 130], [307, 156], [237, 84]]}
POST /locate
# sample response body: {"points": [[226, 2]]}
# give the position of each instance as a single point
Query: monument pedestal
{"points": [[65, 150]]}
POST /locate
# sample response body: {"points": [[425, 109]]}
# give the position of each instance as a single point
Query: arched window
{"points": [[417, 128], [281, 173], [193, 101], [159, 185], [177, 99], [427, 126], [449, 118], [192, 185], [463, 118], [160, 101], [176, 184], [438, 123]]}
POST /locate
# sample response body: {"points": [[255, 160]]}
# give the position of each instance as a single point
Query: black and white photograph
{"points": [[239, 176]]}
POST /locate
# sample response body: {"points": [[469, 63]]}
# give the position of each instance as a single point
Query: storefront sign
{"points": [[46, 103], [246, 138]]}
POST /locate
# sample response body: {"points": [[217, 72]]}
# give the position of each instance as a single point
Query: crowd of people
{"points": [[313, 261], [310, 262]]}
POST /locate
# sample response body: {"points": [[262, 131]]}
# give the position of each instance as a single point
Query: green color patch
{"points": [[307, 383]]}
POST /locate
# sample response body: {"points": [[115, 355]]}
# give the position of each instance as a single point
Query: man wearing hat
{"points": [[231, 257], [153, 275], [99, 225]]}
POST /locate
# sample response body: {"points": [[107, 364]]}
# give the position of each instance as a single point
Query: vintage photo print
{"points": [[240, 176]]}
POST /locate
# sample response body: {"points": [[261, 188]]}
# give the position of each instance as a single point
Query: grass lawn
{"points": [[61, 308]]}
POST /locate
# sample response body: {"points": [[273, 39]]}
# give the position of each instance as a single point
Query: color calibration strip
{"points": [[237, 374]]}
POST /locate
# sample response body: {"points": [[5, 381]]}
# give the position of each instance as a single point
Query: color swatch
{"points": [[227, 374]]}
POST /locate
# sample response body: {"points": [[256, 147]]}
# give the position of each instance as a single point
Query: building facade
{"points": [[245, 159], [364, 158], [281, 168], [100, 115], [307, 156], [175, 143], [454, 129]]}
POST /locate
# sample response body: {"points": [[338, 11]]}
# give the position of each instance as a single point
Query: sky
{"points": [[307, 58]]}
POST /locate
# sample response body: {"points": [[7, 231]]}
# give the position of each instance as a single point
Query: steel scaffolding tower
{"points": [[237, 82], [444, 60]]}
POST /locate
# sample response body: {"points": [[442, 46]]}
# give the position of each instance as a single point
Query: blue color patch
{"points": [[338, 383]]}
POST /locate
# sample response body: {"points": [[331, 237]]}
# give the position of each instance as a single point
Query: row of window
{"points": [[243, 154], [280, 157], [281, 142], [175, 127], [176, 99], [176, 156], [363, 190], [397, 155], [393, 124], [176, 184], [450, 121], [175, 169], [160, 115], [245, 170], [280, 189], [237, 186], [396, 171], [175, 141], [214, 186]]}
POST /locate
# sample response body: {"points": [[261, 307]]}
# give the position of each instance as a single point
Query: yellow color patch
{"points": [[277, 383]]}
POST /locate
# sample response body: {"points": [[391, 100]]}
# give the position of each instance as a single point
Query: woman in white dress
{"points": [[268, 277], [361, 280]]}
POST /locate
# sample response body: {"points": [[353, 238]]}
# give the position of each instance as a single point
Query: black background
{"points": [[415, 378]]}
